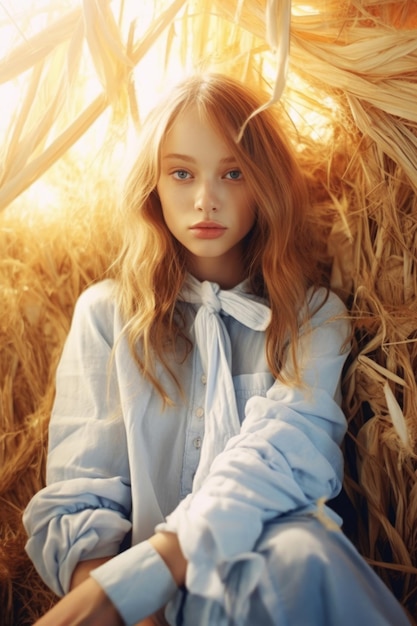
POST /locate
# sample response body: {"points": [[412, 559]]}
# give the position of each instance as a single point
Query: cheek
{"points": [[163, 204], [165, 198], [171, 196], [166, 213], [250, 213]]}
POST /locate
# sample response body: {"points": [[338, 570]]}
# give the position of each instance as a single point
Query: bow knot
{"points": [[209, 297], [213, 343]]}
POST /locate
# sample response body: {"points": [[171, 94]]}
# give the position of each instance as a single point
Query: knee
{"points": [[300, 549]]}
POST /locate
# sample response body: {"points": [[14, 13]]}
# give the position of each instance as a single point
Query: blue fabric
{"points": [[215, 350], [119, 466], [311, 576], [144, 590]]}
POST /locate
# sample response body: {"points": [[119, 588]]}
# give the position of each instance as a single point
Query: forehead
{"points": [[194, 130]]}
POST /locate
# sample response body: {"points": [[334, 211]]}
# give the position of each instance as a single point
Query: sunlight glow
{"points": [[105, 144]]}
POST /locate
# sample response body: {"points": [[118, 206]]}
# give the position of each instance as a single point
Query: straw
{"points": [[348, 106]]}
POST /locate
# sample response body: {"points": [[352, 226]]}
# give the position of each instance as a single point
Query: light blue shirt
{"points": [[119, 465]]}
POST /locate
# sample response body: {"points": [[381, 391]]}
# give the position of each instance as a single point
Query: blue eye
{"points": [[181, 174], [234, 175]]}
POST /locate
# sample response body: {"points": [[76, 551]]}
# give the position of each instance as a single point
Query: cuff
{"points": [[137, 581]]}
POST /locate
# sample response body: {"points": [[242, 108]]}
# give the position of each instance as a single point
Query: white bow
{"points": [[213, 343]]}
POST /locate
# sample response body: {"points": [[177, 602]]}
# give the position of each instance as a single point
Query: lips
{"points": [[208, 230]]}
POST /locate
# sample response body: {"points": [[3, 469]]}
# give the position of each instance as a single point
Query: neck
{"points": [[225, 273]]}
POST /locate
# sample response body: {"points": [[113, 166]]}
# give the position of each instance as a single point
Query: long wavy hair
{"points": [[282, 260]]}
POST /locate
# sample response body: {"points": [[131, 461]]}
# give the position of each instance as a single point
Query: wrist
{"points": [[83, 569], [138, 582], [169, 549]]}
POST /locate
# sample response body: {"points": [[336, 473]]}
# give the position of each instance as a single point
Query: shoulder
{"points": [[324, 304], [97, 298], [327, 311], [97, 294], [96, 307]]}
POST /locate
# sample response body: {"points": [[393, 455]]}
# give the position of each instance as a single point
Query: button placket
{"points": [[199, 413], [195, 428]]}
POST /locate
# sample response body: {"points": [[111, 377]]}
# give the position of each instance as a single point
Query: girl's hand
{"points": [[86, 605]]}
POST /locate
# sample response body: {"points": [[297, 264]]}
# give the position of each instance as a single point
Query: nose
{"points": [[207, 197]]}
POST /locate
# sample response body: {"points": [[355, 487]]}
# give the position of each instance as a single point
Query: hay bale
{"points": [[44, 266]]}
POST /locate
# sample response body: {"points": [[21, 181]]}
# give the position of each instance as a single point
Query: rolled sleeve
{"points": [[84, 510], [73, 521]]}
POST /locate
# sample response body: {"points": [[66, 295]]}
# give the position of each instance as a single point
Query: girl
{"points": [[196, 428]]}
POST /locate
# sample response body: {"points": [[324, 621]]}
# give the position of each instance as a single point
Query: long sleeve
{"points": [[84, 510], [286, 457]]}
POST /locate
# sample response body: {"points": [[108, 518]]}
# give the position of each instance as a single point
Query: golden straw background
{"points": [[85, 79]]}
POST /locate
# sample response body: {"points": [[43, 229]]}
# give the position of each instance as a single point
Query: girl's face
{"points": [[206, 202]]}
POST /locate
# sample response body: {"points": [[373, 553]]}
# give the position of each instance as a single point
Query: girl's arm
{"points": [[168, 547], [78, 522], [83, 569], [166, 544], [88, 604], [84, 511], [286, 459]]}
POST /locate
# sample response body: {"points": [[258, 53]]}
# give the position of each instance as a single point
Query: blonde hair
{"points": [[282, 260]]}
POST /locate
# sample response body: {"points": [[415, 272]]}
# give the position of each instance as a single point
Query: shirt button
{"points": [[204, 379], [200, 412], [197, 443]]}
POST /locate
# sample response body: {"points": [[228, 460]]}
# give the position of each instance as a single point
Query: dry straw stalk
{"points": [[350, 102]]}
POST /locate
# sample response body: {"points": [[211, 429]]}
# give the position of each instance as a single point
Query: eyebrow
{"points": [[190, 159]]}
